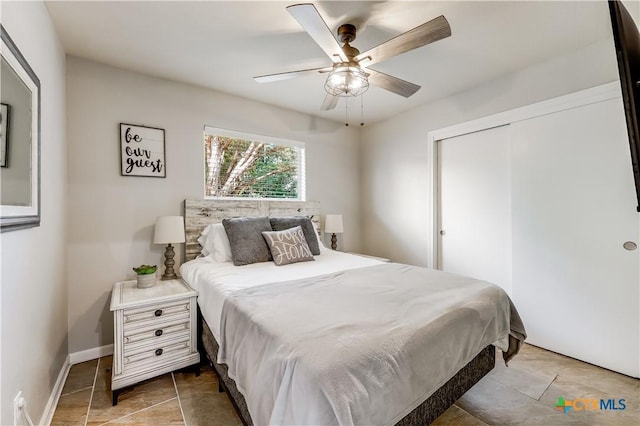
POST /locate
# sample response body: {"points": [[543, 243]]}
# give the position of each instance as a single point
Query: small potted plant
{"points": [[146, 275]]}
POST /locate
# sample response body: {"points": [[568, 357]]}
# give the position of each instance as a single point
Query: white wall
{"points": [[111, 217], [34, 290], [395, 171]]}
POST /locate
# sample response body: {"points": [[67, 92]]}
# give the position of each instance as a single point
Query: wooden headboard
{"points": [[199, 213]]}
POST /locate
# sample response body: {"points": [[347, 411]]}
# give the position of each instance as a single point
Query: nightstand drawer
{"points": [[135, 348], [156, 355], [137, 317], [155, 332]]}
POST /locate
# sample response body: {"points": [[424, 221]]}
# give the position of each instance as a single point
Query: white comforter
{"points": [[215, 281], [361, 346]]}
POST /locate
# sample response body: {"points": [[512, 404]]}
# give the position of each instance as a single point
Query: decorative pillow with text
{"points": [[288, 246], [282, 223]]}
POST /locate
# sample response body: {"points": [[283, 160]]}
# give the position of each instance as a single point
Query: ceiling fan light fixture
{"points": [[347, 80]]}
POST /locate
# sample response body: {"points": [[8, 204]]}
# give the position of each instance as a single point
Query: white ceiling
{"points": [[222, 45]]}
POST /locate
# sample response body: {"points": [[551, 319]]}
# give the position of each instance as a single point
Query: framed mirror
{"points": [[19, 139]]}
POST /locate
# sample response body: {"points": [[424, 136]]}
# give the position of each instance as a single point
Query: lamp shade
{"points": [[333, 224], [169, 229]]}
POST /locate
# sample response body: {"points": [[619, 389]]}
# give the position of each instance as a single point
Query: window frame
{"points": [[271, 140]]}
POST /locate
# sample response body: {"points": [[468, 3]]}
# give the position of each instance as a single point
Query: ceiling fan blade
{"points": [[329, 102], [308, 17], [391, 83], [291, 74], [431, 31]]}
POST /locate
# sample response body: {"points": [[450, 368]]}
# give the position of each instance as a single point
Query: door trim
{"points": [[593, 95]]}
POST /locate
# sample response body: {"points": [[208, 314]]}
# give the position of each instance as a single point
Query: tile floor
{"points": [[524, 393]]}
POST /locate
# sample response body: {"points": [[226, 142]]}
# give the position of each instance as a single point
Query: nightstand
{"points": [[381, 259], [154, 331]]}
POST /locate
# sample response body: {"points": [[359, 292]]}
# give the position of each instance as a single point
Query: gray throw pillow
{"points": [[246, 241], [282, 223], [289, 246]]}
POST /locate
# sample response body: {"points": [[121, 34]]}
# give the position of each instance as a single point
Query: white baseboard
{"points": [[89, 354], [74, 358], [52, 403]]}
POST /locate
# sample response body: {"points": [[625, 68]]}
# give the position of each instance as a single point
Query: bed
{"points": [[342, 339]]}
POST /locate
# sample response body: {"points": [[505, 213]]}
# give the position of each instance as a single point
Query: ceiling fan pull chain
{"points": [[361, 110], [346, 111]]}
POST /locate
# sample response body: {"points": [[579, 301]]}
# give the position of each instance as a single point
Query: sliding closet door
{"points": [[475, 205], [573, 208]]}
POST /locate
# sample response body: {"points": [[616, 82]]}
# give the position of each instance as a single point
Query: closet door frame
{"points": [[584, 97]]}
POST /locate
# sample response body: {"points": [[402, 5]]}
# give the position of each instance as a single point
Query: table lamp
{"points": [[169, 229], [333, 224]]}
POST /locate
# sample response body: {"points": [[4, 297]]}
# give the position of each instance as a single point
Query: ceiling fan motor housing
{"points": [[346, 33]]}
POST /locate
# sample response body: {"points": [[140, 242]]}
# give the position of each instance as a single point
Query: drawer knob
{"points": [[158, 333], [158, 352], [158, 312]]}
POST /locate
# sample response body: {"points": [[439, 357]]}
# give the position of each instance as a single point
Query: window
{"points": [[241, 165]]}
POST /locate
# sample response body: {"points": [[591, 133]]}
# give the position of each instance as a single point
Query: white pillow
{"points": [[202, 240], [215, 243], [320, 244]]}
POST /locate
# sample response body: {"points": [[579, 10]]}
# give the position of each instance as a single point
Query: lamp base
{"points": [[169, 273], [334, 242]]}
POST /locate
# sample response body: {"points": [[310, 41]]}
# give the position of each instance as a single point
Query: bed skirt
{"points": [[425, 413]]}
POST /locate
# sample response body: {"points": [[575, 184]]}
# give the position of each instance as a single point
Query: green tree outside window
{"points": [[244, 168]]}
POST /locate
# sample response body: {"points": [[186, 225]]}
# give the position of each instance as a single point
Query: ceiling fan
{"points": [[350, 74]]}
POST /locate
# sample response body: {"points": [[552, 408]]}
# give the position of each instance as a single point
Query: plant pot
{"points": [[146, 280]]}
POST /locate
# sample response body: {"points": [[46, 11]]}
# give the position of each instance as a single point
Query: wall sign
{"points": [[142, 151]]}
